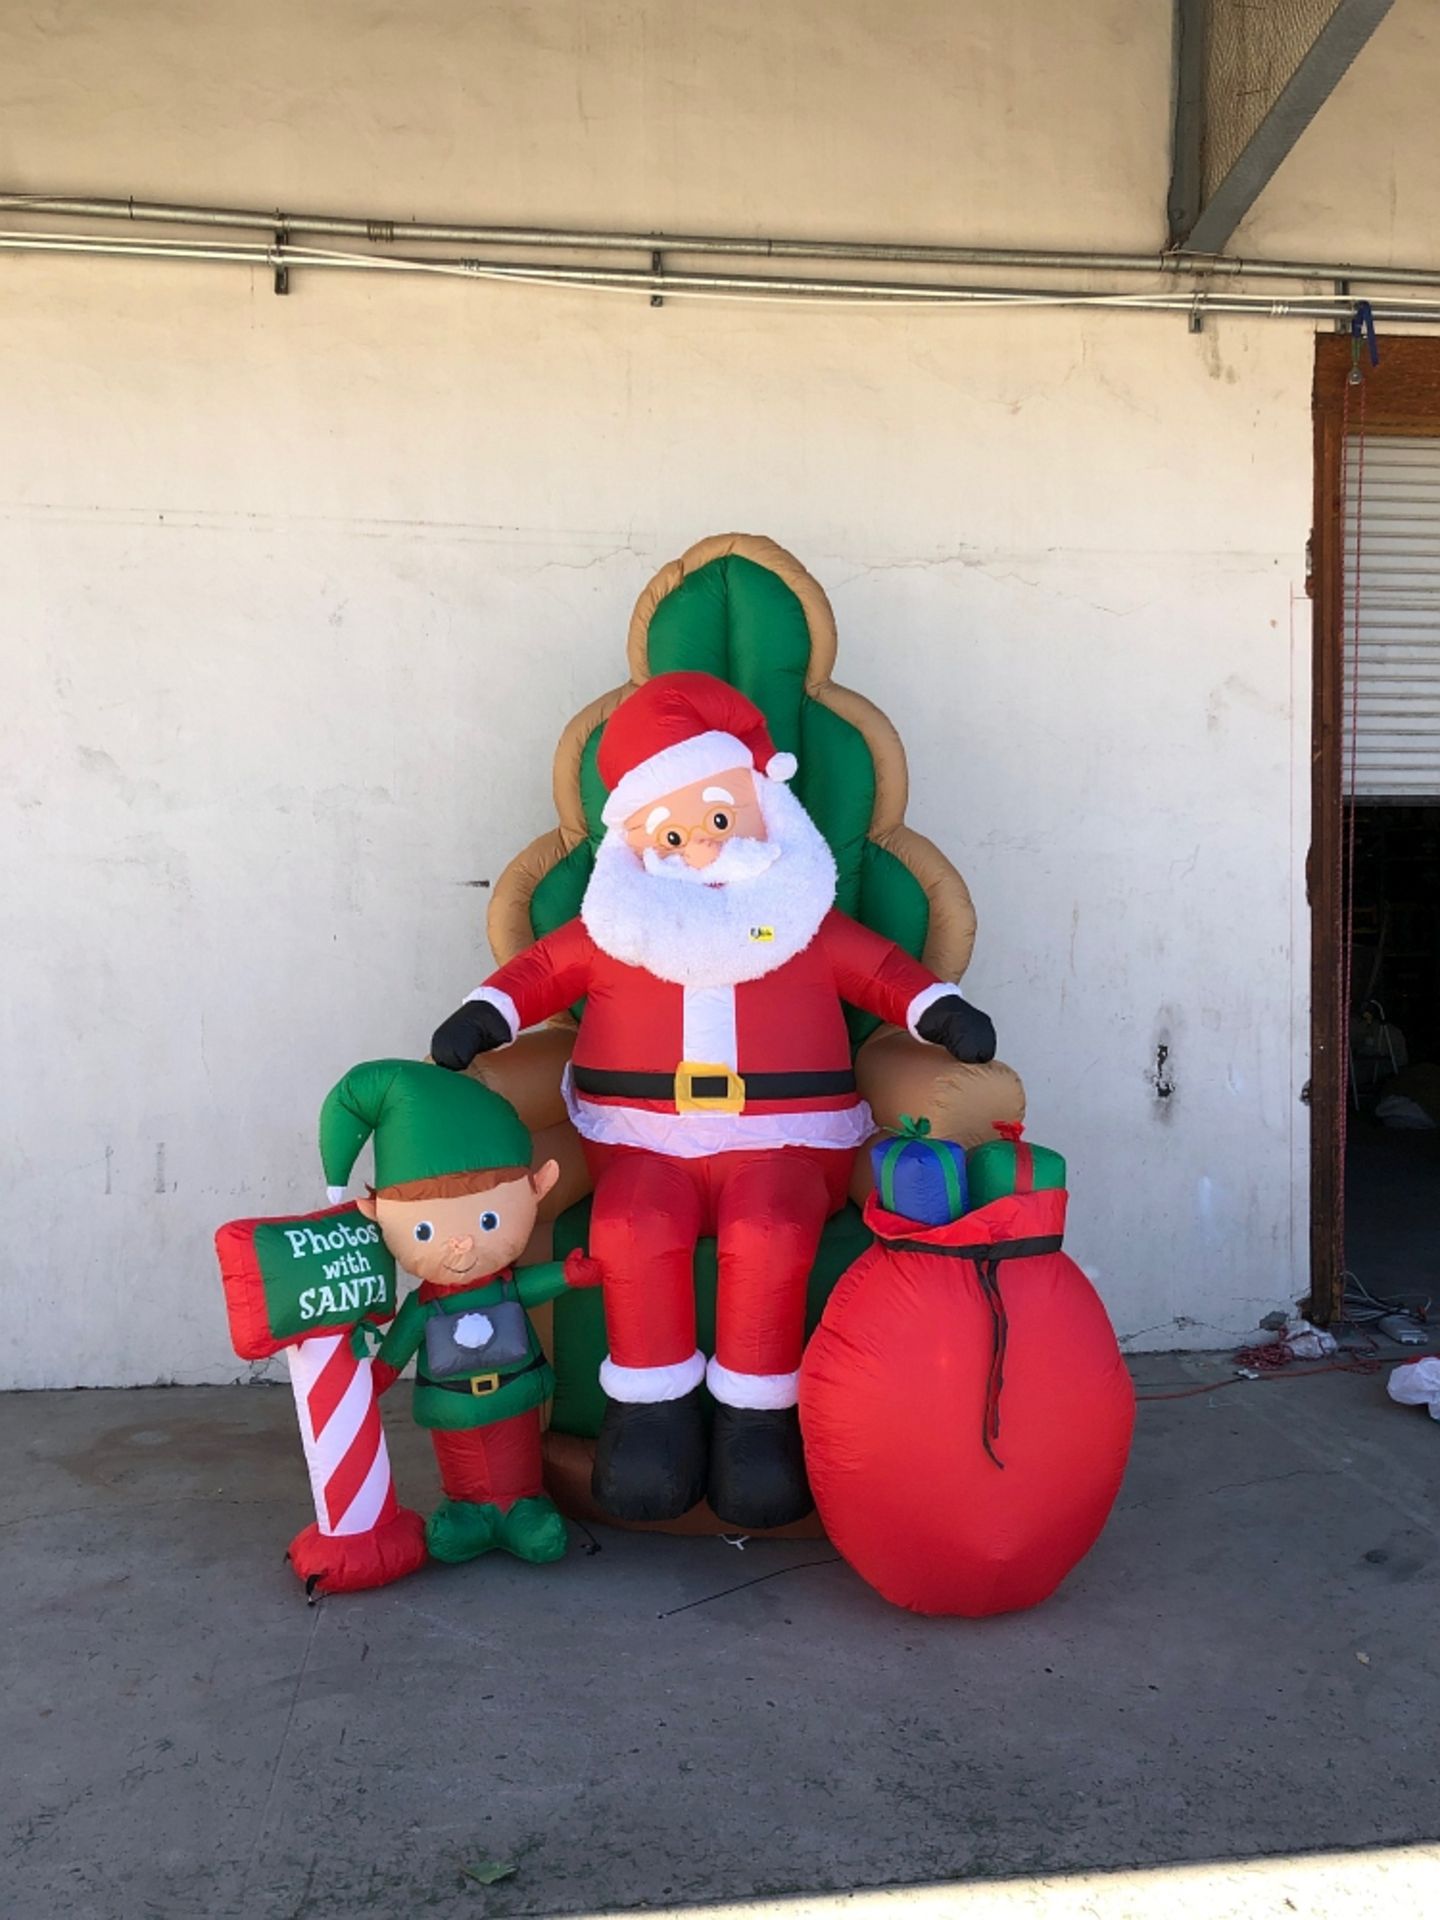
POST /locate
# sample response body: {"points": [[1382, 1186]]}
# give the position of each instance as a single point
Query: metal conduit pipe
{"points": [[387, 232], [648, 280]]}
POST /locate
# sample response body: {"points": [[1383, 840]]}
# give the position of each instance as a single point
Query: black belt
{"points": [[481, 1385], [758, 1086]]}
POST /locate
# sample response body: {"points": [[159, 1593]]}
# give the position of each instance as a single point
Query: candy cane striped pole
{"points": [[343, 1439], [362, 1536]]}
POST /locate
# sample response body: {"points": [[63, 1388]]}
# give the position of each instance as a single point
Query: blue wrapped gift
{"points": [[917, 1177]]}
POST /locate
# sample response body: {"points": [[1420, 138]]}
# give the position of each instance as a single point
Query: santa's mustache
{"points": [[738, 859]]}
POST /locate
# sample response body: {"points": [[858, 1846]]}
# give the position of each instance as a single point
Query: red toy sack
{"points": [[966, 1412]]}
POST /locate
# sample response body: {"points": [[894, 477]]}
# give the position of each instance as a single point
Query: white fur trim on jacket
{"points": [[678, 766], [772, 1390], [647, 1386], [927, 997], [498, 998]]}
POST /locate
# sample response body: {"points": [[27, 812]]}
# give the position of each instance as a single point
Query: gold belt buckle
{"points": [[732, 1100], [483, 1383]]}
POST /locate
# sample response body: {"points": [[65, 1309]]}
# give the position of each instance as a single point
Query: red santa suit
{"points": [[730, 1110], [712, 1085]]}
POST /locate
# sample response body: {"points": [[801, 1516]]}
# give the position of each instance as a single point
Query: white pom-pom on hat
{"points": [[781, 766]]}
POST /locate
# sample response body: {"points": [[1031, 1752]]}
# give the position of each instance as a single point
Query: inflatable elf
{"points": [[455, 1201]]}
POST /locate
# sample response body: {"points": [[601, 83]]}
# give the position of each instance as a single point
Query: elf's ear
{"points": [[544, 1177], [366, 1203]]}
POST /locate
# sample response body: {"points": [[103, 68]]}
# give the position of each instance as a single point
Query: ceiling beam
{"points": [[1192, 35], [1207, 228]]}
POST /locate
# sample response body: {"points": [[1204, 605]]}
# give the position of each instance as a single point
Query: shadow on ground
{"points": [[184, 1736]]}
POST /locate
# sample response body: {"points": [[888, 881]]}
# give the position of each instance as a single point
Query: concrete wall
{"points": [[299, 592]]}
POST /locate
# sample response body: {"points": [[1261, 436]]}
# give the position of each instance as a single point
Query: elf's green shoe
{"points": [[460, 1530], [533, 1530]]}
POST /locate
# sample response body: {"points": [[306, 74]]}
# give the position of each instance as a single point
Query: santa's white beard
{"points": [[680, 924]]}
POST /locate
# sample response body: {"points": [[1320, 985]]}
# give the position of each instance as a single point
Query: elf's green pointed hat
{"points": [[426, 1121]]}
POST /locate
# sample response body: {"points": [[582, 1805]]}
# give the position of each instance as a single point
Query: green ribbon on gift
{"points": [[911, 1130]]}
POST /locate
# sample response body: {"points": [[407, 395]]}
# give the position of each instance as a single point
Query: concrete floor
{"points": [[182, 1736]]}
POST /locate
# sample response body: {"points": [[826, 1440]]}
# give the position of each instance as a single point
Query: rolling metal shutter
{"points": [[1397, 699]]}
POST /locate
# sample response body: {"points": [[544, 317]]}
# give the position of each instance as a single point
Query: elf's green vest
{"points": [[489, 1395]]}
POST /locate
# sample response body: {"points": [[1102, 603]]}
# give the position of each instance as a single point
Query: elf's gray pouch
{"points": [[506, 1345]]}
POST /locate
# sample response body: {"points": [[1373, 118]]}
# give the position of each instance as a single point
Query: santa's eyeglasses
{"points": [[670, 837]]}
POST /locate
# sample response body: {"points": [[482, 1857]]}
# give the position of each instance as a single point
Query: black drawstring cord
{"points": [[989, 1275], [986, 1262]]}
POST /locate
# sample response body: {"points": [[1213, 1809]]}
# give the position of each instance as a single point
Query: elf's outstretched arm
{"points": [[402, 1340], [548, 1279], [879, 976], [536, 983]]}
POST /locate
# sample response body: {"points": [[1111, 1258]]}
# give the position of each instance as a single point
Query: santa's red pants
{"points": [[499, 1463], [766, 1208]]}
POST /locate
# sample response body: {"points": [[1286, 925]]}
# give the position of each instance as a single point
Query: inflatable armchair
{"points": [[739, 607]]}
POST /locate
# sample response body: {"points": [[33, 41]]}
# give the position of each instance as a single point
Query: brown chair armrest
{"points": [[900, 1075]]}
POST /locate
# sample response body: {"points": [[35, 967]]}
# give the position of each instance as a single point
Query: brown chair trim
{"points": [[565, 779], [887, 751], [819, 616], [508, 921], [950, 939]]}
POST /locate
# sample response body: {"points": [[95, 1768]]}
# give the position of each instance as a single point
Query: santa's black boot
{"points": [[757, 1467], [650, 1458]]}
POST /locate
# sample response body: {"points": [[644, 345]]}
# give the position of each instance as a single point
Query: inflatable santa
{"points": [[712, 1085]]}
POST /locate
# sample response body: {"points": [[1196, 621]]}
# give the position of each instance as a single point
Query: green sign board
{"points": [[330, 1272]]}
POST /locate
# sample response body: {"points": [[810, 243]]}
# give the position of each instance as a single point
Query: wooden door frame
{"points": [[1402, 396]]}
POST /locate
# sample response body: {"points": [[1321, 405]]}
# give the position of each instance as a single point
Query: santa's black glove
{"points": [[964, 1031], [474, 1028]]}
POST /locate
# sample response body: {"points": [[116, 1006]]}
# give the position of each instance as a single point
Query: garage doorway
{"points": [[1374, 870]]}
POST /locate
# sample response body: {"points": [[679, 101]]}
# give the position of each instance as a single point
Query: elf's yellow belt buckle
{"points": [[483, 1383], [703, 1086]]}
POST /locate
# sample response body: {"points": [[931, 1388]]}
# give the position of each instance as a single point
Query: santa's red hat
{"points": [[676, 729]]}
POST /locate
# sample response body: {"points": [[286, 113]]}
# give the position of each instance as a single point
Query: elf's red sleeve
{"points": [[543, 979], [875, 974]]}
